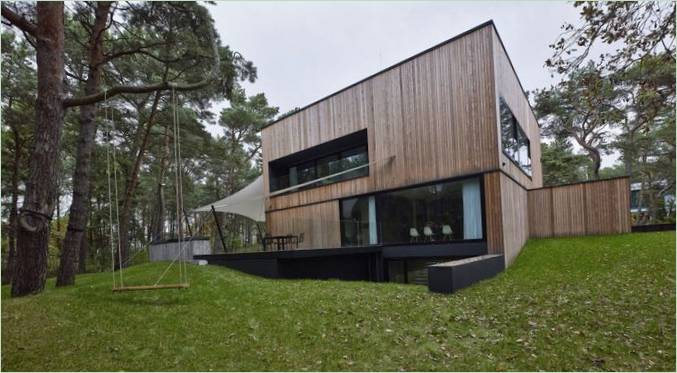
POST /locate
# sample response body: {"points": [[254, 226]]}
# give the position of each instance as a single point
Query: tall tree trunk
{"points": [[133, 179], [33, 236], [11, 234], [77, 222], [159, 218], [593, 154], [83, 253]]}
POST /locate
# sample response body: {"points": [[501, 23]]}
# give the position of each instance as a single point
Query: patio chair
{"points": [[413, 235], [428, 233], [447, 232]]}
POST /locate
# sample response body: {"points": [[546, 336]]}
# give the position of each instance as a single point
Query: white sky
{"points": [[307, 50]]}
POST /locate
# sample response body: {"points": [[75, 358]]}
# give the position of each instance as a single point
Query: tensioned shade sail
{"points": [[249, 202]]}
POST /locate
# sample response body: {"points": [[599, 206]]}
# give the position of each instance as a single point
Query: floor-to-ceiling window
{"points": [[358, 226], [447, 211]]}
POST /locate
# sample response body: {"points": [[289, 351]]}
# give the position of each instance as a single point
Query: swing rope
{"points": [[115, 233], [177, 183], [110, 202], [117, 199], [179, 171]]}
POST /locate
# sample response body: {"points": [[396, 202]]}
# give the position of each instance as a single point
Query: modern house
{"points": [[433, 159], [668, 202]]}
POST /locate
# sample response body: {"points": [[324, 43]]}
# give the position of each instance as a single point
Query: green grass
{"points": [[590, 303]]}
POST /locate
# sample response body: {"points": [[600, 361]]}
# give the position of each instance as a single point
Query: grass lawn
{"points": [[590, 303]]}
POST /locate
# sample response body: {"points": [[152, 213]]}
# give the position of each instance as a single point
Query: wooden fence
{"points": [[594, 207]]}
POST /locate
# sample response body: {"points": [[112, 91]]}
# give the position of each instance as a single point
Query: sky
{"points": [[306, 50]]}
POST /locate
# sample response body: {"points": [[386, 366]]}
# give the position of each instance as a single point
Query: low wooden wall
{"points": [[594, 207]]}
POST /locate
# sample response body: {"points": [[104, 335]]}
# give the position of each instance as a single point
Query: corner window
{"points": [[515, 143]]}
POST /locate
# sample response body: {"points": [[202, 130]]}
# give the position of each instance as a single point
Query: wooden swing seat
{"points": [[151, 287]]}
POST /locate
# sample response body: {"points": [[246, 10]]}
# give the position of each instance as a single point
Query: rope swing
{"points": [[118, 283]]}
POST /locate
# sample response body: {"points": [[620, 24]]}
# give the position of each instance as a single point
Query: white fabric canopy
{"points": [[249, 202]]}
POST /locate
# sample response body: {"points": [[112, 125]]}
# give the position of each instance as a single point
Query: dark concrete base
{"points": [[653, 227], [365, 263], [451, 276]]}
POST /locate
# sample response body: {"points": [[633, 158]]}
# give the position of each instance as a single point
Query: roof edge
{"points": [[514, 72], [438, 45]]}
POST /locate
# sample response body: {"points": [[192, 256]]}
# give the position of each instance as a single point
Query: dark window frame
{"points": [[277, 172], [480, 178], [516, 130]]}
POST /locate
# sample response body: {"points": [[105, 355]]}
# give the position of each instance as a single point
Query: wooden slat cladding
{"points": [[540, 213], [599, 207], [514, 208], [318, 223], [568, 209], [608, 205], [506, 214], [492, 212], [434, 113], [508, 87], [318, 194]]}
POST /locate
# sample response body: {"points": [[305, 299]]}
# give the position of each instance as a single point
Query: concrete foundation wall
{"points": [[165, 250]]}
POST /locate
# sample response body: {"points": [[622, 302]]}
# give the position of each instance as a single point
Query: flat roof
{"points": [[480, 26]]}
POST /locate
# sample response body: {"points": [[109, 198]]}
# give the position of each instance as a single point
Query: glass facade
{"points": [[321, 167], [448, 211], [515, 143], [358, 227]]}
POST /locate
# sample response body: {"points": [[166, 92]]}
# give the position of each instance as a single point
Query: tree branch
{"points": [[22, 23], [138, 50], [116, 90]]}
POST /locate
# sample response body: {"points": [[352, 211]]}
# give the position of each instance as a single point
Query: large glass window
{"points": [[358, 226], [440, 212], [354, 158], [306, 172], [321, 162], [516, 144]]}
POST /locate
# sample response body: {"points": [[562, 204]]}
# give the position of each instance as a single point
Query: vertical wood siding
{"points": [[514, 207], [493, 212], [508, 87], [506, 215], [540, 212], [435, 114], [319, 224], [599, 207]]}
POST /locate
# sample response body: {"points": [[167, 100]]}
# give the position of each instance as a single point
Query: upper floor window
{"points": [[515, 143], [323, 164]]}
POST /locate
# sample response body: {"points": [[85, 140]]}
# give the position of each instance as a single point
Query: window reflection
{"points": [[440, 212], [516, 144], [320, 168]]}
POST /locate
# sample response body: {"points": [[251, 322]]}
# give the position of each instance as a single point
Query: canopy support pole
{"points": [[218, 227], [258, 228], [185, 216]]}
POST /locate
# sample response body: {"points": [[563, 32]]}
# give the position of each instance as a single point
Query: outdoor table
{"points": [[281, 242]]}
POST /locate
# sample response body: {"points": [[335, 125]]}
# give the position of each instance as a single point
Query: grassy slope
{"points": [[567, 304]]}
